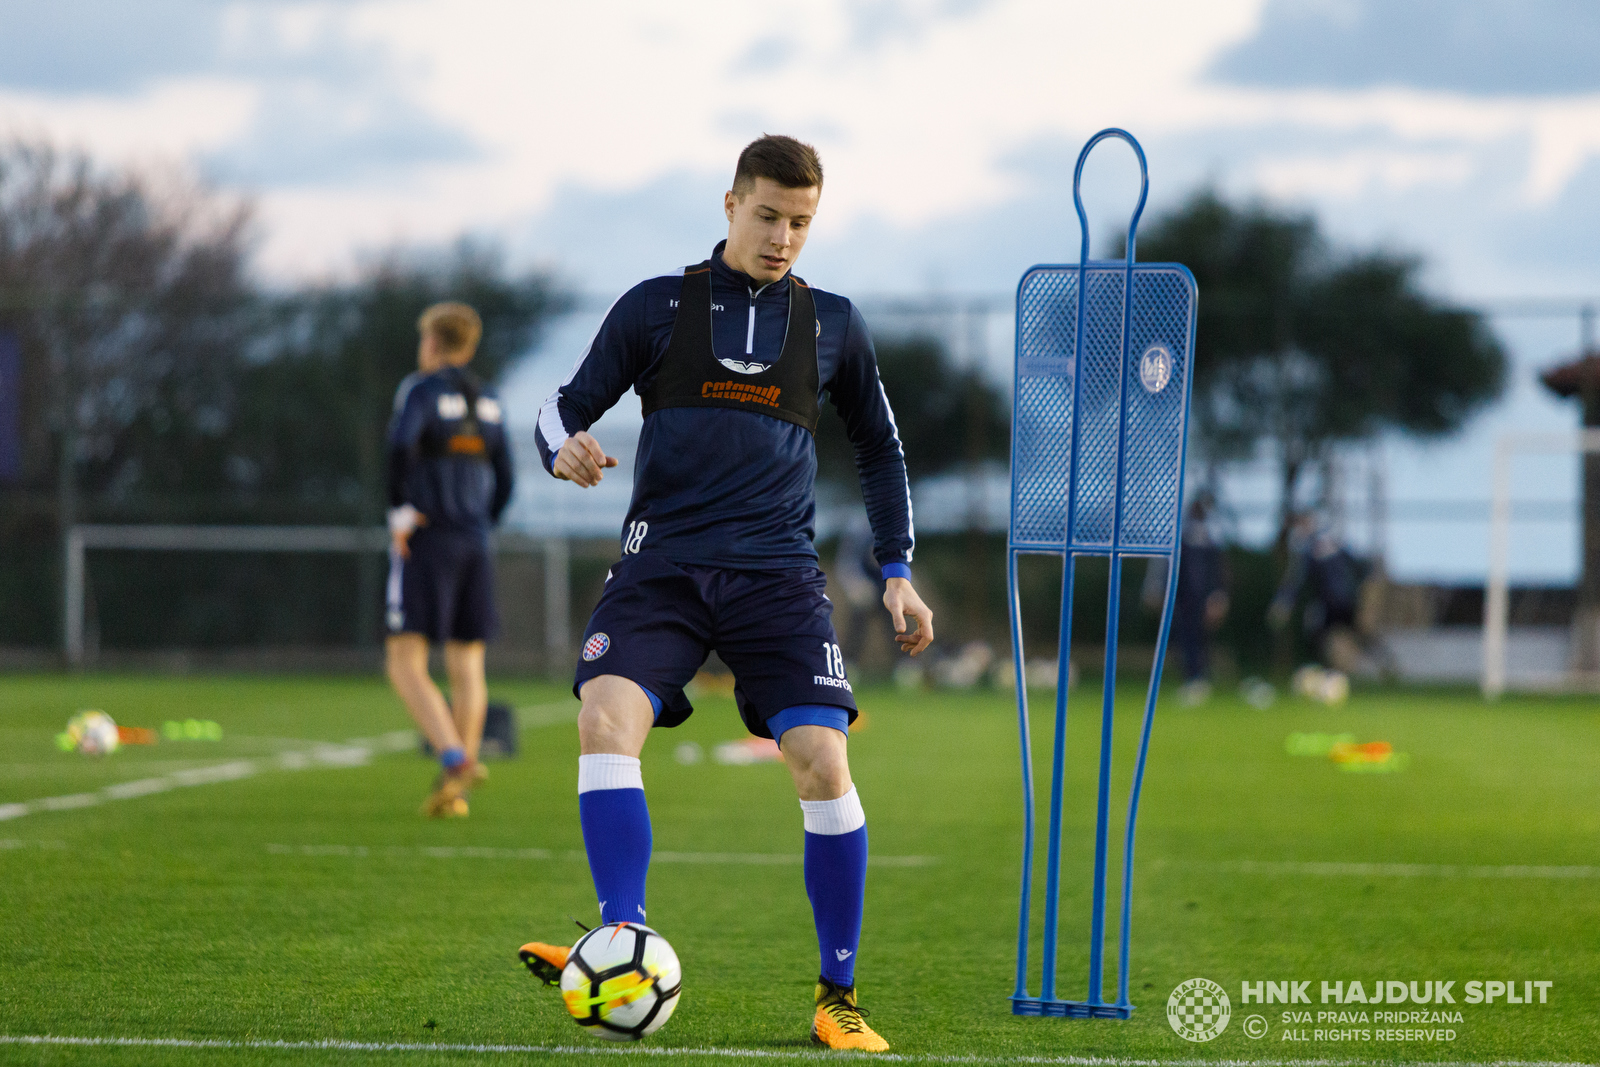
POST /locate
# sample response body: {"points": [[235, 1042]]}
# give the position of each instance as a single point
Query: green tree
{"points": [[318, 390], [1300, 348], [948, 416]]}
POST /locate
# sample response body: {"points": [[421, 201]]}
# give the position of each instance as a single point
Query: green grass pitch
{"points": [[315, 905]]}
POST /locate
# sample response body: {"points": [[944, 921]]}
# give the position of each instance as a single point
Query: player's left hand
{"points": [[902, 600]]}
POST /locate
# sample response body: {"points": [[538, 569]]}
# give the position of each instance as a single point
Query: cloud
{"points": [[877, 23], [609, 241], [769, 55], [1480, 47], [105, 46], [1551, 249], [328, 105], [309, 133]]}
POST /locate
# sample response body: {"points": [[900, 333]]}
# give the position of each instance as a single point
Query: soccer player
{"points": [[449, 479], [1202, 601], [1319, 560], [731, 358]]}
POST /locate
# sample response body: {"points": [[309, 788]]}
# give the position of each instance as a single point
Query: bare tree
{"points": [[127, 297], [128, 294]]}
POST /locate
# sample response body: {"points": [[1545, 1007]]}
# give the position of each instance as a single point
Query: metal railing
{"points": [[354, 539]]}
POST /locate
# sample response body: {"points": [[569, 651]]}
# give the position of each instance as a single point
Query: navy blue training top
{"points": [[725, 487], [462, 493]]}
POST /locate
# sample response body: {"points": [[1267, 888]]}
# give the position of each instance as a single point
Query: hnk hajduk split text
{"points": [[1477, 991]]}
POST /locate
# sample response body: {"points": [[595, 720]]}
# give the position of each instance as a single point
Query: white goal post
{"points": [[1497, 595], [81, 538]]}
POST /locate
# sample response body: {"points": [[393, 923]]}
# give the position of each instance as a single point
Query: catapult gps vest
{"points": [[690, 375]]}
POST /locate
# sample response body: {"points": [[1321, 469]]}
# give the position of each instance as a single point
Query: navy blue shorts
{"points": [[657, 621], [445, 591]]}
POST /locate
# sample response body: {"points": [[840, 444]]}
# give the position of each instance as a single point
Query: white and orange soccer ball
{"points": [[621, 981], [93, 733]]}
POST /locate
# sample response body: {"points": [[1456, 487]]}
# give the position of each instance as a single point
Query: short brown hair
{"points": [[455, 327], [792, 164]]}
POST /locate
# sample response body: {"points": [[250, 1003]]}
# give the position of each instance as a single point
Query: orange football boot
{"points": [[449, 797], [839, 1023], [545, 961]]}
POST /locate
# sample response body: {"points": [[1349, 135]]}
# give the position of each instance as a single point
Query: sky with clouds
{"points": [[597, 138]]}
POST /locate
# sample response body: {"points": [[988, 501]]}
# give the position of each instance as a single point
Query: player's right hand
{"points": [[400, 532], [581, 460]]}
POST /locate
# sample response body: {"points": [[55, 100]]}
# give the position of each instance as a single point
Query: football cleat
{"points": [[448, 799], [839, 1023], [545, 961]]}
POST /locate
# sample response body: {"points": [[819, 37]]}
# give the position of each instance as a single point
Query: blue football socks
{"points": [[616, 833], [836, 880], [451, 758]]}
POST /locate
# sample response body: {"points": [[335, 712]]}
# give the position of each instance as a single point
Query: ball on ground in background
{"points": [[94, 733], [1335, 688], [1307, 681], [621, 981]]}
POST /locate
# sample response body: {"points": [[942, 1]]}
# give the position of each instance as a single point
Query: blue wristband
{"points": [[897, 570]]}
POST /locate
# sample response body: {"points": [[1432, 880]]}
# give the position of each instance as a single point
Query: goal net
{"points": [[1497, 678]]}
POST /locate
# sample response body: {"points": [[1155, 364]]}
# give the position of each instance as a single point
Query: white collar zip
{"points": [[750, 332]]}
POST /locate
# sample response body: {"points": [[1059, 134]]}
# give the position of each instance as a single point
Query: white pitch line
{"points": [[353, 753], [1404, 870], [723, 1053], [451, 852], [560, 713]]}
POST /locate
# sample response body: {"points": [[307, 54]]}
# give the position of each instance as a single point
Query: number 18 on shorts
{"points": [[832, 668]]}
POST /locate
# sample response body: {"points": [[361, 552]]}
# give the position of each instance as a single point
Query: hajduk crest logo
{"points": [[596, 647], [1198, 1010], [1155, 368]]}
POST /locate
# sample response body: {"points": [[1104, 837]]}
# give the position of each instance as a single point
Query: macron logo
{"points": [[842, 953]]}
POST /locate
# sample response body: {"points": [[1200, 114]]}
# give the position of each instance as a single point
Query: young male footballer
{"points": [[731, 358], [449, 479]]}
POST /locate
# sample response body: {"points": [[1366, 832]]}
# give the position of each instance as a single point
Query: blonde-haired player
{"points": [[450, 477]]}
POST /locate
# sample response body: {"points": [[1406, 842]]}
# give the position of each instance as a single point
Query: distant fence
{"points": [[555, 553]]}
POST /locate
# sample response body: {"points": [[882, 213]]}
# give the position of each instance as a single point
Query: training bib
{"points": [[691, 376]]}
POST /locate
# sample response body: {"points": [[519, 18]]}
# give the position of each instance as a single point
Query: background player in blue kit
{"points": [[731, 358], [449, 479]]}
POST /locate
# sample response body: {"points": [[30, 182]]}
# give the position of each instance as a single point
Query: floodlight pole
{"points": [[557, 598], [73, 590], [1496, 602]]}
